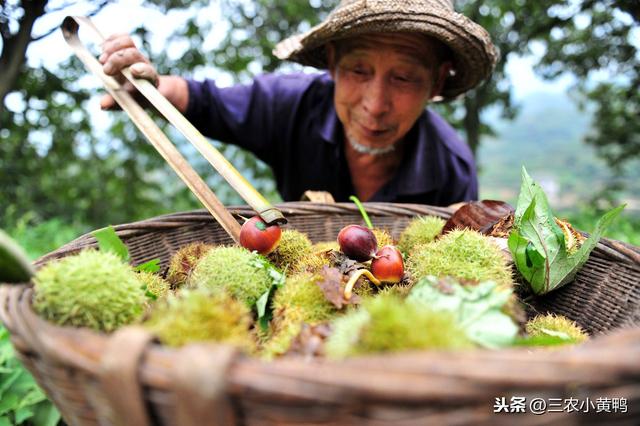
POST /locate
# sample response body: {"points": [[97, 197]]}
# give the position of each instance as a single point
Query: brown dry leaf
{"points": [[345, 265], [332, 286], [478, 215], [309, 343], [502, 228]]}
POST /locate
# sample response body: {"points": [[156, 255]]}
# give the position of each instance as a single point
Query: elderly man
{"points": [[362, 127]]}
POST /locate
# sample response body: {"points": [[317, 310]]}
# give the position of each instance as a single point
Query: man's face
{"points": [[382, 85]]}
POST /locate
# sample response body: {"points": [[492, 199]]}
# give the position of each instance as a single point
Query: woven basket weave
{"points": [[126, 378]]}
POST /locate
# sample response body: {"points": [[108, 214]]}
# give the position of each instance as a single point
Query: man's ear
{"points": [[330, 49], [444, 71]]}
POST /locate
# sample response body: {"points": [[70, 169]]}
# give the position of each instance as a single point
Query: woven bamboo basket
{"points": [[128, 379]]}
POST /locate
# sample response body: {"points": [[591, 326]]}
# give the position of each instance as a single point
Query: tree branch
{"points": [[15, 46]]}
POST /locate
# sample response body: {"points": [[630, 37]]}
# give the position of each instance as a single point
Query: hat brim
{"points": [[474, 55]]}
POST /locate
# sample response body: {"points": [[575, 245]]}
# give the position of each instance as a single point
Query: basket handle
{"points": [[147, 126]]}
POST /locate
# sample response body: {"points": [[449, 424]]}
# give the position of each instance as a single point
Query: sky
{"points": [[123, 17]]}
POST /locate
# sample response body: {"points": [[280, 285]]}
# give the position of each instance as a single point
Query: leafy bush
{"points": [[626, 228], [21, 399]]}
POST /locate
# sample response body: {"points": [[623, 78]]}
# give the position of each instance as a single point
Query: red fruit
{"points": [[357, 242], [387, 265], [256, 235]]}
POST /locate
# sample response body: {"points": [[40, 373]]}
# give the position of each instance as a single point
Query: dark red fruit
{"points": [[256, 235], [387, 265], [357, 242]]}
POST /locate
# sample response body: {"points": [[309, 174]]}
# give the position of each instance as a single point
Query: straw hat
{"points": [[474, 54]]}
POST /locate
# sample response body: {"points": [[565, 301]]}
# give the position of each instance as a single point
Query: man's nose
{"points": [[376, 99]]}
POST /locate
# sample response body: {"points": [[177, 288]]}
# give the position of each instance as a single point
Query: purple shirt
{"points": [[289, 121]]}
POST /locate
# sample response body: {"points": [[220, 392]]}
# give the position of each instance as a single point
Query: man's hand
{"points": [[119, 52]]}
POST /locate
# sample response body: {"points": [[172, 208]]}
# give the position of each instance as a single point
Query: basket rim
{"points": [[612, 249]]}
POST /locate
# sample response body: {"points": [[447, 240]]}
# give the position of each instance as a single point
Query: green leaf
{"points": [[108, 240], [277, 280], [538, 244], [22, 414], [8, 403], [46, 414], [478, 309], [5, 421], [15, 266], [151, 266]]}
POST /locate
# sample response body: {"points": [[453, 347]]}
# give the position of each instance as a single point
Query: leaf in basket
{"points": [[539, 245], [477, 308], [277, 280], [309, 343], [332, 287], [108, 240], [151, 266]]}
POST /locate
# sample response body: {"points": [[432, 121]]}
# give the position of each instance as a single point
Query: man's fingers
{"points": [[146, 71], [121, 59], [107, 103], [116, 42]]}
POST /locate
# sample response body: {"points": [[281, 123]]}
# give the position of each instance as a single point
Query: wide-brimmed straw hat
{"points": [[474, 55]]}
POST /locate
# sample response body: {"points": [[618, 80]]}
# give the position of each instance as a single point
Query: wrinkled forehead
{"points": [[414, 46]]}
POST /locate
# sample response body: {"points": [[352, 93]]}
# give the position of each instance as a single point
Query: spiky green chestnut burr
{"points": [[90, 289], [383, 237], [232, 268], [386, 323], [319, 258], [555, 325], [461, 254], [299, 301], [293, 248], [421, 230], [325, 246], [183, 261], [154, 284], [201, 315]]}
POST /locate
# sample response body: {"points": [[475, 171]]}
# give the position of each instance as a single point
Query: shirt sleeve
{"points": [[254, 116]]}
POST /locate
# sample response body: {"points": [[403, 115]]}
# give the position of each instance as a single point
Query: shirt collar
{"points": [[421, 169]]}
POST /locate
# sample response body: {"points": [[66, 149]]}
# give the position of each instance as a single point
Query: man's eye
{"points": [[404, 79], [359, 71]]}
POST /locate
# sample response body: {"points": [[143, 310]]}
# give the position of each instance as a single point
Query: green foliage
{"points": [[21, 400]]}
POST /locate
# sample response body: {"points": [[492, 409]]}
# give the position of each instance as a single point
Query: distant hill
{"points": [[547, 138]]}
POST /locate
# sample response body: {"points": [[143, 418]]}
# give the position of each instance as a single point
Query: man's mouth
{"points": [[374, 132]]}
